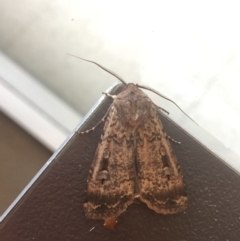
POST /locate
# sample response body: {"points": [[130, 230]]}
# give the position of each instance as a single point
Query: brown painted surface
{"points": [[53, 208]]}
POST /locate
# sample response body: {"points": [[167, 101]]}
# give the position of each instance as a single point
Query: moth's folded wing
{"points": [[111, 179], [159, 177]]}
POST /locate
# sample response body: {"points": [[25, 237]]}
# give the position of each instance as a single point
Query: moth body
{"points": [[134, 160]]}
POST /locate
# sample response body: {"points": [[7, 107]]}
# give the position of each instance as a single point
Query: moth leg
{"points": [[160, 108], [93, 128], [170, 138], [108, 95]]}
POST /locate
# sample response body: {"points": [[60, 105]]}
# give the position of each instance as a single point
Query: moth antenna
{"points": [[105, 69], [166, 98], [140, 86]]}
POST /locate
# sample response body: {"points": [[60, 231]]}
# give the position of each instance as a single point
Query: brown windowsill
{"points": [[52, 209]]}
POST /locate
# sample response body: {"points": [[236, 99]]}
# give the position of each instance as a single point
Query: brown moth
{"points": [[134, 160]]}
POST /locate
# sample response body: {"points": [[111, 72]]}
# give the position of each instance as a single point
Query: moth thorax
{"points": [[133, 111]]}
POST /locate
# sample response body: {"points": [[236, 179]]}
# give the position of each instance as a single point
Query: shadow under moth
{"points": [[134, 160]]}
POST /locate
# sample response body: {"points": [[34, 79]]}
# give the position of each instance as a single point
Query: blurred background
{"points": [[187, 50]]}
